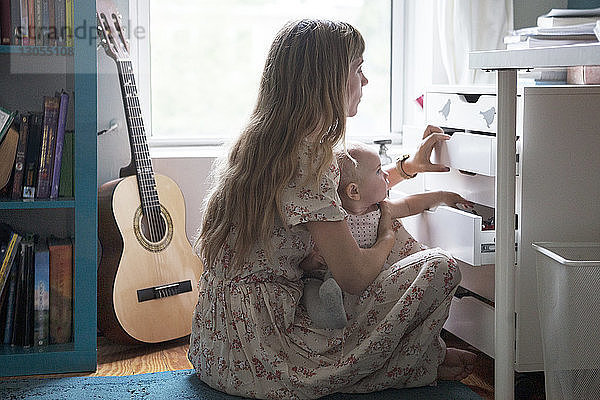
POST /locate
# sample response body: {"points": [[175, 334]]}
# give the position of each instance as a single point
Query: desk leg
{"points": [[505, 236]]}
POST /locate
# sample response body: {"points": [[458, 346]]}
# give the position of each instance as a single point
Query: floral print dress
{"points": [[251, 337]]}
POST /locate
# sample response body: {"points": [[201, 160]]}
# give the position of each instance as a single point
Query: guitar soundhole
{"points": [[155, 230]]}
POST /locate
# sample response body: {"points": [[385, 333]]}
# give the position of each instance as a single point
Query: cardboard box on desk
{"points": [[584, 75]]}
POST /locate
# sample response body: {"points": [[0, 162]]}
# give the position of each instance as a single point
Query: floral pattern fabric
{"points": [[251, 337]]}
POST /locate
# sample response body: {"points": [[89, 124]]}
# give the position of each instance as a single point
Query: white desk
{"points": [[506, 63]]}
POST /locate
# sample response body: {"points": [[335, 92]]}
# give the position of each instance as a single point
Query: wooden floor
{"points": [[115, 359]]}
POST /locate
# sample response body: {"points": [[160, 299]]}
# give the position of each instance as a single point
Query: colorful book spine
{"points": [[69, 22], [61, 290], [65, 188], [51, 105], [28, 320], [17, 189], [32, 155], [60, 15], [12, 249], [51, 24], [24, 28], [5, 21], [41, 330], [15, 22], [45, 23], [31, 20], [39, 24], [10, 303], [60, 137], [20, 317]]}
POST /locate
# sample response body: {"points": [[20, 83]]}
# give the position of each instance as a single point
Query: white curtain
{"points": [[469, 25]]}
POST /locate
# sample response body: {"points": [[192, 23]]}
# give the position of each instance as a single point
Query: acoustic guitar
{"points": [[148, 272]]}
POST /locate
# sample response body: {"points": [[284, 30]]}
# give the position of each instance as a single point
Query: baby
{"points": [[363, 184]]}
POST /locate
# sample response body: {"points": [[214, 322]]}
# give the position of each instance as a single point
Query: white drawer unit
{"points": [[468, 111], [559, 141], [473, 321], [470, 152], [473, 187], [456, 231]]}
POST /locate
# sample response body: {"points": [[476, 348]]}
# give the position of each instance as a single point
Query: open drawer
{"points": [[472, 320], [476, 188], [470, 152], [458, 232], [462, 111]]}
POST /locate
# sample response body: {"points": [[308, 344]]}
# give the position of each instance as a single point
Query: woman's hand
{"points": [[421, 160]]}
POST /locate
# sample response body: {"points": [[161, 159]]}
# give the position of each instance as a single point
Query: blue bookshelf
{"points": [[74, 70]]}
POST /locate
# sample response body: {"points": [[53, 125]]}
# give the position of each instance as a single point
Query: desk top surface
{"points": [[541, 57]]}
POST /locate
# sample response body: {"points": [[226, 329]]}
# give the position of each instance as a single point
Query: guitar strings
{"points": [[146, 180]]}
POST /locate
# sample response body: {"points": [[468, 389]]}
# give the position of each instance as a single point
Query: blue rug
{"points": [[185, 385]]}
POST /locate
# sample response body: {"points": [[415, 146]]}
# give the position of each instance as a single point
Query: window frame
{"points": [[139, 17]]}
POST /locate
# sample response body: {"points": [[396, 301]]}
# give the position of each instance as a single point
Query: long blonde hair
{"points": [[302, 92]]}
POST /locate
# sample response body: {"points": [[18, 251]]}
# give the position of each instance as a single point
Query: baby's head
{"points": [[362, 181]]}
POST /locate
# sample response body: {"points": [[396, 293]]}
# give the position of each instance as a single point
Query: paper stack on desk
{"points": [[559, 27]]}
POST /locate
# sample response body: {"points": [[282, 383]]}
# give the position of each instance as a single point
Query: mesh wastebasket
{"points": [[569, 308]]}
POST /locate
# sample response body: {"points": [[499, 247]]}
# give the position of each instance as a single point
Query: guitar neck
{"points": [[137, 137]]}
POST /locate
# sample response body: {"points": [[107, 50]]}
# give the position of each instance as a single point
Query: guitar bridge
{"points": [[159, 292]]}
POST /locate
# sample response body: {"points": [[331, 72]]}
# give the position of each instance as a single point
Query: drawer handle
{"points": [[445, 111], [470, 98], [488, 116]]}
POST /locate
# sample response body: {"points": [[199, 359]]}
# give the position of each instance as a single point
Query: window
{"points": [[206, 58]]}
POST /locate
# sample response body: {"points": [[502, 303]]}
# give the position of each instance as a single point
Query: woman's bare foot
{"points": [[457, 365]]}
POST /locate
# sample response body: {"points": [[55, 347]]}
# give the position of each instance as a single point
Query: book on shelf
{"points": [[21, 315], [8, 315], [533, 42], [8, 151], [51, 24], [48, 143], [31, 22], [36, 307], [19, 169], [23, 29], [11, 240], [5, 21], [61, 289], [45, 23], [60, 137], [28, 307], [61, 22], [69, 23], [67, 166], [32, 155], [41, 317], [39, 24], [6, 119], [549, 22], [15, 22], [565, 17]]}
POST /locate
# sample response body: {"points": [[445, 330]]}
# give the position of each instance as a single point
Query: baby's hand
{"points": [[313, 261], [456, 200]]}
